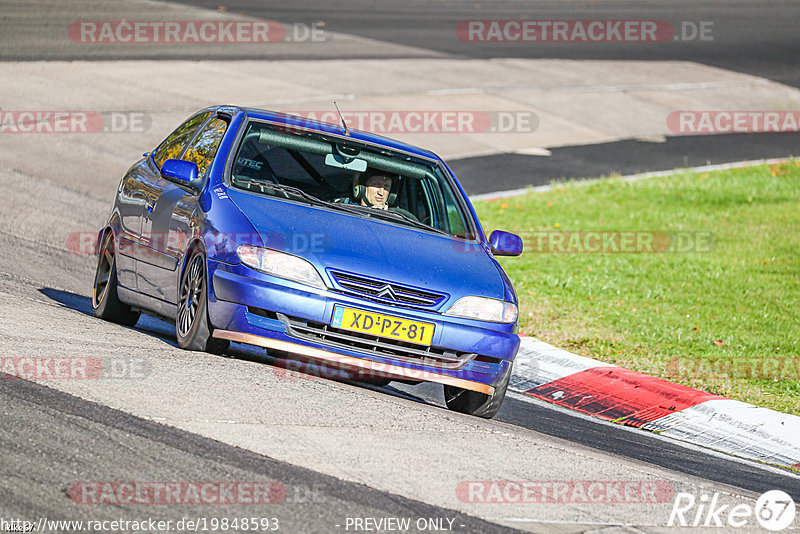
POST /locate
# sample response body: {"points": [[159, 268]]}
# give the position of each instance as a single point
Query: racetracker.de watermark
{"points": [[348, 368], [73, 368], [564, 491], [192, 32], [73, 122], [85, 243], [607, 242], [733, 121], [426, 121], [176, 493], [582, 31], [769, 367]]}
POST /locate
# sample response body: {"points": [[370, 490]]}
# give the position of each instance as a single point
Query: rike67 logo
{"points": [[774, 511]]}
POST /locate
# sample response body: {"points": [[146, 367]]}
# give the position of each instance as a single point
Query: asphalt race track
{"points": [[339, 456], [604, 159], [752, 37], [94, 433], [745, 36]]}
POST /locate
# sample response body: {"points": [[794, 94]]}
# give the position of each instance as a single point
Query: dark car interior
{"points": [[280, 164]]}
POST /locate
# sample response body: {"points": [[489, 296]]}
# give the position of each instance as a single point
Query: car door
{"points": [[130, 204], [145, 244], [170, 219]]}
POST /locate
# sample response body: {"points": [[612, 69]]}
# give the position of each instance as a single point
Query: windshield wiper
{"points": [[396, 214], [350, 208], [300, 193], [283, 188], [261, 184]]}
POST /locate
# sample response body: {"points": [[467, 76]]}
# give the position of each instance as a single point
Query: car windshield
{"points": [[323, 170]]}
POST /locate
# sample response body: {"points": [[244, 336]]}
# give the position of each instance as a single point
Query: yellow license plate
{"points": [[378, 324]]}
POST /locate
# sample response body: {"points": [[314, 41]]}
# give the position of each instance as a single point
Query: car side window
{"points": [[205, 145], [172, 146]]}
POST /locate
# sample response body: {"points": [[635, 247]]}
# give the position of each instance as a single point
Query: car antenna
{"points": [[344, 124]]}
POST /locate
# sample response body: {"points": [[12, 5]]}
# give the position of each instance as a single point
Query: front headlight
{"points": [[484, 309], [280, 264]]}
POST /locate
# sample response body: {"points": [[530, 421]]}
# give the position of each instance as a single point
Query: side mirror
{"points": [[177, 170], [505, 243]]}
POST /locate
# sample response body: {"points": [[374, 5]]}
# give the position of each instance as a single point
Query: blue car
{"points": [[313, 240]]}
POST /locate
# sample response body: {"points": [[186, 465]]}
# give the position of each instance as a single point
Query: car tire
{"points": [[192, 326], [475, 403], [105, 301]]}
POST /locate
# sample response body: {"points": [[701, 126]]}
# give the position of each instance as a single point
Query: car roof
{"points": [[329, 128]]}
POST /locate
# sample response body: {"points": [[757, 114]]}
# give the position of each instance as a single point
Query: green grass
{"points": [[724, 319]]}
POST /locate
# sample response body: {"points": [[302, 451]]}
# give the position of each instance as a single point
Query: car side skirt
{"points": [[402, 373]]}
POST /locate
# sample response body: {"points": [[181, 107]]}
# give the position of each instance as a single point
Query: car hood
{"points": [[372, 247]]}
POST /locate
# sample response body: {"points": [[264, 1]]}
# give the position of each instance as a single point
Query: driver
{"points": [[373, 189], [376, 191]]}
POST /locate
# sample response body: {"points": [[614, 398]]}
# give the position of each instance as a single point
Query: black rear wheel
{"points": [[105, 301], [191, 320], [475, 403]]}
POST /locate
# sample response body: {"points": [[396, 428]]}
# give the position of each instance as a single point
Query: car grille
{"points": [[325, 334], [386, 292]]}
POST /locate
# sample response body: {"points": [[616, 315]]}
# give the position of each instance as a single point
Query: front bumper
{"points": [[239, 296], [341, 361]]}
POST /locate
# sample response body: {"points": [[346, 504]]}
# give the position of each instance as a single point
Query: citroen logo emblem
{"points": [[386, 292]]}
